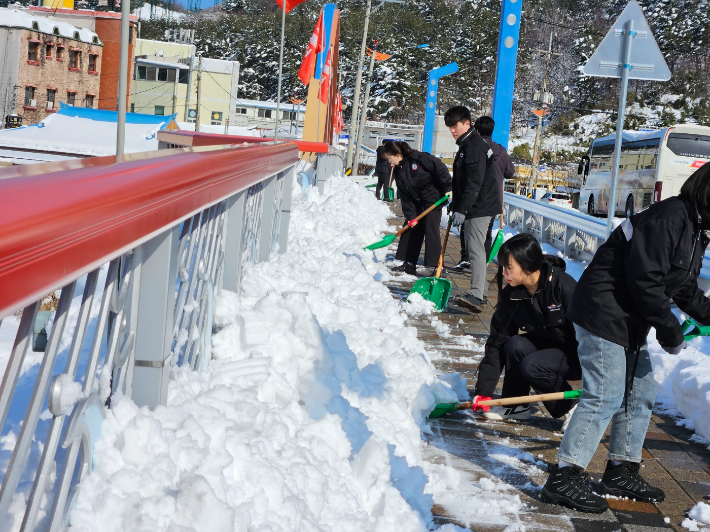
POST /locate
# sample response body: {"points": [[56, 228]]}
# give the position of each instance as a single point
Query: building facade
{"points": [[46, 61], [107, 25]]}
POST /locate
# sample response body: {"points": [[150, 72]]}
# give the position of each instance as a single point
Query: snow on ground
{"points": [[309, 418]]}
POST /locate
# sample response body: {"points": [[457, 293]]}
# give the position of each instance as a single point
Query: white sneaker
{"points": [[568, 417], [508, 412]]}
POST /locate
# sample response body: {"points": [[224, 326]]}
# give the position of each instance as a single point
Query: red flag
{"points": [[339, 123], [290, 4], [325, 80], [315, 46]]}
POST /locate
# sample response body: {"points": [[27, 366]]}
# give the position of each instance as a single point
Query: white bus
{"points": [[653, 166]]}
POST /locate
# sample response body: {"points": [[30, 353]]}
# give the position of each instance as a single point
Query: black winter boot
{"points": [[624, 481], [406, 267], [569, 486]]}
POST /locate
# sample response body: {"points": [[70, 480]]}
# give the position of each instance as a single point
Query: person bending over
{"points": [[422, 180], [531, 339], [652, 257]]}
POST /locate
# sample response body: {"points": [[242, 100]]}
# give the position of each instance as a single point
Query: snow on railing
{"points": [[135, 251], [577, 235]]}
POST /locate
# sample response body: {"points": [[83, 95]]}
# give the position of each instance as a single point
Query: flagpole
{"points": [[281, 64]]}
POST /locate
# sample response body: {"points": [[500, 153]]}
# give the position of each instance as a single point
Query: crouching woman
{"points": [[531, 338]]}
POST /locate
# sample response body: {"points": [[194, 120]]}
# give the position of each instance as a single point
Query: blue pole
{"points": [[431, 95], [508, 36]]}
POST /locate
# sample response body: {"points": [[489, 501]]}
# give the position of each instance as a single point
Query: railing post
{"points": [[267, 219], [570, 242], [154, 327], [286, 208], [544, 224], [321, 171], [524, 221], [233, 241]]}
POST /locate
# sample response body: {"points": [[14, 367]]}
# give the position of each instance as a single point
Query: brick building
{"points": [[44, 62], [107, 25]]}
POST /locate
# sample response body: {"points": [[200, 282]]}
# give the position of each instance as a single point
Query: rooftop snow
{"points": [[93, 132], [21, 18]]}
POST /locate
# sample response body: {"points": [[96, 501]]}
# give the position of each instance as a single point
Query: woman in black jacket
{"points": [[422, 180], [651, 258], [544, 355]]}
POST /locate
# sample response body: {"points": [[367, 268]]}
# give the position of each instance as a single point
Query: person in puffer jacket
{"points": [[650, 259]]}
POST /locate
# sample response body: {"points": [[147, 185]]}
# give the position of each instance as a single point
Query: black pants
{"points": [[545, 371], [410, 243], [383, 181]]}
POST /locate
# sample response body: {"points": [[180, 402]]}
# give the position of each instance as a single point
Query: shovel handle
{"points": [[391, 173], [443, 248], [422, 215], [556, 396]]}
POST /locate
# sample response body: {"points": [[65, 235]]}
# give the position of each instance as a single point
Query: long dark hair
{"points": [[396, 147], [696, 192], [527, 252]]}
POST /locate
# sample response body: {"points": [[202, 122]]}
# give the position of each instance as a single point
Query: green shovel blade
{"points": [[497, 243], [442, 409], [691, 329], [386, 241], [388, 194], [433, 289]]}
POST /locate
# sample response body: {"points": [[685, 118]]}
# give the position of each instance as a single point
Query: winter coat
{"points": [[422, 180], [504, 166], [541, 317], [476, 191], [651, 258], [382, 165]]}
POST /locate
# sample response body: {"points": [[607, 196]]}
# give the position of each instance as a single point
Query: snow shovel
{"points": [[691, 329], [386, 241], [436, 289], [388, 193], [497, 243], [446, 408]]}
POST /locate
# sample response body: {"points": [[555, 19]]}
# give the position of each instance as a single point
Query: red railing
{"points": [[192, 138], [62, 220]]}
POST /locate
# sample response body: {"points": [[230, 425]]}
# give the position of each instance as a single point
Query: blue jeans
{"points": [[605, 366]]}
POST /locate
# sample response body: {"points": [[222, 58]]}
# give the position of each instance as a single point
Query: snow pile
{"points": [[310, 416], [700, 513]]}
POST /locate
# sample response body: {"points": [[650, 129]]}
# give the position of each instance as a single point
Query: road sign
{"points": [[646, 60]]}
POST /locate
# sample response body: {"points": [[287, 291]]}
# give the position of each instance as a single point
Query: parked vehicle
{"points": [[653, 166], [559, 199]]}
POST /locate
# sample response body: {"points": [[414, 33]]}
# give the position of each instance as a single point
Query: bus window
{"points": [[688, 145]]}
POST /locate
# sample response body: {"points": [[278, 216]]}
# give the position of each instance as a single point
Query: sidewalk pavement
{"points": [[474, 445]]}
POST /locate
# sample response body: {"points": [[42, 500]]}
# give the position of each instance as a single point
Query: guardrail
{"points": [[577, 235], [325, 160], [137, 248]]}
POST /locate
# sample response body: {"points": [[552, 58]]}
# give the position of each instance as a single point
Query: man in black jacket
{"points": [[383, 171], [503, 165], [476, 198], [651, 258]]}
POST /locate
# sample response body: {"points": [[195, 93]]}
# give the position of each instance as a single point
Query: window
{"points": [[264, 113], [60, 53], [689, 145], [95, 39], [140, 72], [183, 75], [32, 51], [92, 62], [151, 74], [241, 110], [51, 94], [30, 97], [48, 50], [160, 110], [133, 108], [35, 26], [77, 37], [55, 30], [162, 74], [89, 101], [71, 97], [74, 59], [216, 118], [171, 75]]}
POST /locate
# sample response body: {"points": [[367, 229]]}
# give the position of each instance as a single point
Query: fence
{"points": [[135, 251], [577, 235]]}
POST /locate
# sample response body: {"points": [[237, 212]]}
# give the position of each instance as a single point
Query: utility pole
{"points": [[356, 96], [363, 115], [122, 81], [545, 99], [199, 89]]}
